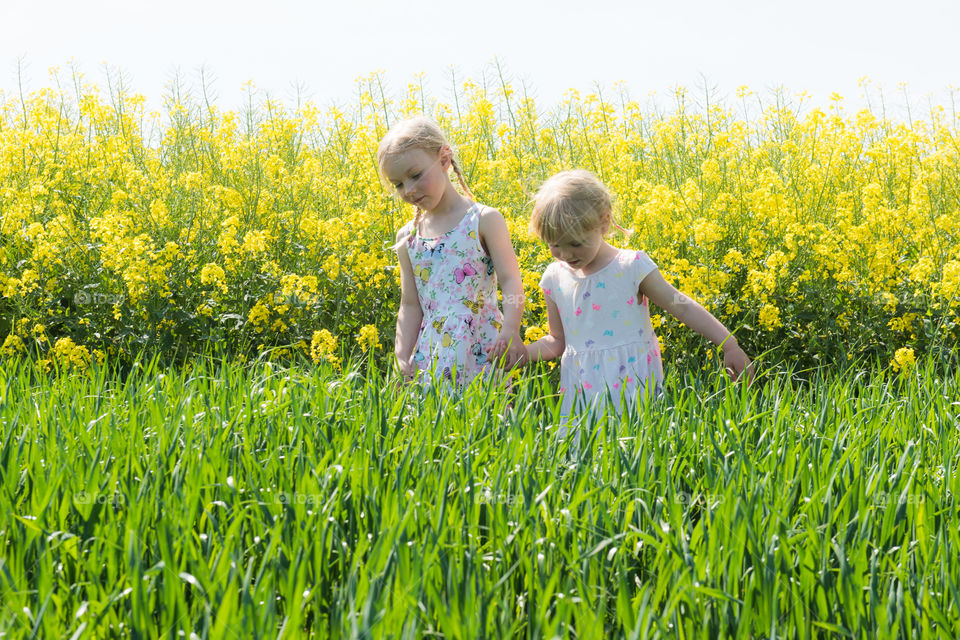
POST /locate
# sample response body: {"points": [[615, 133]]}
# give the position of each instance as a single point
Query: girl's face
{"points": [[419, 177], [579, 253]]}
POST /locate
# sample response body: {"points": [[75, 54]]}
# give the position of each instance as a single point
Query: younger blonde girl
{"points": [[597, 299]]}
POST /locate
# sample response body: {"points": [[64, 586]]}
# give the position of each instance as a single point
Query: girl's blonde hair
{"points": [[570, 205], [418, 133]]}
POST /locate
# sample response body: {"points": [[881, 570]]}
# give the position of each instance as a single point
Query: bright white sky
{"points": [[821, 46]]}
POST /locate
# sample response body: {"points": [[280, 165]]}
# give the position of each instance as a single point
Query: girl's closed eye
{"points": [[414, 178]]}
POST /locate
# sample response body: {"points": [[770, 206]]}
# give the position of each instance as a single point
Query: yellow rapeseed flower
{"points": [[259, 315], [70, 355], [12, 345], [212, 274], [734, 259], [534, 333], [770, 317], [323, 347], [903, 360], [256, 242], [368, 338]]}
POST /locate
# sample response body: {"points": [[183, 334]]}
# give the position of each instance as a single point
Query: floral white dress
{"points": [[611, 349], [457, 289]]}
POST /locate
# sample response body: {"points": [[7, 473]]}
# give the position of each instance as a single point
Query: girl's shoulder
{"points": [[628, 257], [485, 213], [551, 272], [556, 267], [628, 262]]}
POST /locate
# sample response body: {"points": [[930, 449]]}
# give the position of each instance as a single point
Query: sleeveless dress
{"points": [[611, 349], [457, 288]]}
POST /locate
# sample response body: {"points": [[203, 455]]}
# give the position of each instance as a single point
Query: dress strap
{"points": [[476, 211]]}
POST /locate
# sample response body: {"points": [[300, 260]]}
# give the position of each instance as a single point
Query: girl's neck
{"points": [[604, 256], [451, 203]]}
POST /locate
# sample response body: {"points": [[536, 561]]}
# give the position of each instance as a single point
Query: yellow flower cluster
{"points": [[770, 316], [323, 347], [534, 333], [70, 355], [368, 338], [903, 360], [12, 345]]}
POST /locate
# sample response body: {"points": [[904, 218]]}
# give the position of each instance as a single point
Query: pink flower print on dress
{"points": [[630, 301], [596, 307], [462, 272], [547, 291], [578, 311], [587, 386]]}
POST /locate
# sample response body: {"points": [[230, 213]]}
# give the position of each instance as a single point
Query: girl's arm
{"points": [[691, 313], [410, 314], [496, 240], [551, 346]]}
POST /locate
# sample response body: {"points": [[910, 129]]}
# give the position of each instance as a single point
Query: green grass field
{"points": [[238, 501]]}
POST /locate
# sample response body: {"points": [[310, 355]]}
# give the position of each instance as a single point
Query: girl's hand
{"points": [[736, 362], [407, 370], [516, 353], [510, 346]]}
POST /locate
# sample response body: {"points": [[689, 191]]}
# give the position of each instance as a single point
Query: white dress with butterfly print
{"points": [[457, 289], [610, 343]]}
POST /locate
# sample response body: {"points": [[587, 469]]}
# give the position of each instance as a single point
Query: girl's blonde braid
{"points": [[463, 183], [418, 213]]}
